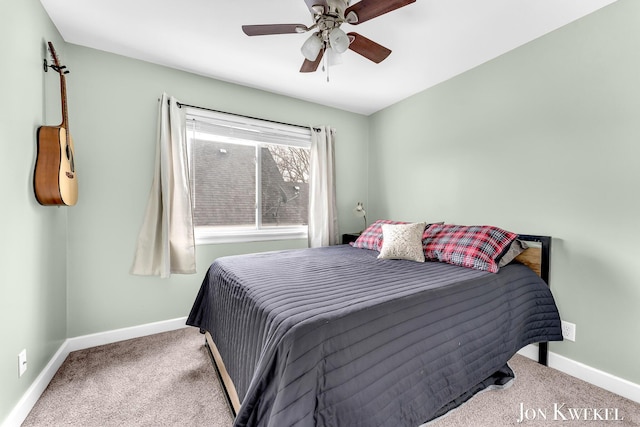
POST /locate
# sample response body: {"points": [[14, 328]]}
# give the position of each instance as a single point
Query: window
{"points": [[249, 178]]}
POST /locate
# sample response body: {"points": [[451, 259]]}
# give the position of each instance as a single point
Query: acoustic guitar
{"points": [[55, 180]]}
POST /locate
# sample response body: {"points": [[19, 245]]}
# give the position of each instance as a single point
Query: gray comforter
{"points": [[335, 337]]}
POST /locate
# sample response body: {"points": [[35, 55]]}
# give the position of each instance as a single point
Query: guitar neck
{"points": [[60, 69], [63, 97]]}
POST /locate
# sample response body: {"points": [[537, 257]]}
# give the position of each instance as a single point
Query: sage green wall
{"points": [[544, 140], [32, 237], [113, 104]]}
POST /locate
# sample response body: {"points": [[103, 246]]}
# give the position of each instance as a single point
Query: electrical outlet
{"points": [[568, 331], [22, 362]]}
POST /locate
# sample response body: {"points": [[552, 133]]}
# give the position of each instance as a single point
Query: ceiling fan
{"points": [[328, 15]]}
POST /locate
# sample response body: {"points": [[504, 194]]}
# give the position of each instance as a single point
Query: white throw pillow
{"points": [[402, 241]]}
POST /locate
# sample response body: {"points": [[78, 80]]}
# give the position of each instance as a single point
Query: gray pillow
{"points": [[515, 249]]}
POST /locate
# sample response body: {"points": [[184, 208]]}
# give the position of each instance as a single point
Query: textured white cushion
{"points": [[402, 241]]}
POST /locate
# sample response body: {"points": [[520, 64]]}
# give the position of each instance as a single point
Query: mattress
{"points": [[334, 336]]}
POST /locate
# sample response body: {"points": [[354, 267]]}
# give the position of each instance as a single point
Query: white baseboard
{"points": [[588, 374], [108, 337], [31, 396], [33, 393]]}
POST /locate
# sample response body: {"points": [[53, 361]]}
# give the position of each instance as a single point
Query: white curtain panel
{"points": [[323, 216], [165, 243]]}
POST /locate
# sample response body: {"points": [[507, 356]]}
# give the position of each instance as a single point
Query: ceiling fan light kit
{"points": [[329, 38], [338, 40], [311, 47], [333, 57]]}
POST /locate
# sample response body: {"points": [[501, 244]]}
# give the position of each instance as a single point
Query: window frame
{"points": [[259, 232]]}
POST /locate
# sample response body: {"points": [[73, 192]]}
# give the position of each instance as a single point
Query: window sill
{"points": [[207, 237]]}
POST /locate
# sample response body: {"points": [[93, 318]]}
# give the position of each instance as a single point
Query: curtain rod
{"points": [[180, 104]]}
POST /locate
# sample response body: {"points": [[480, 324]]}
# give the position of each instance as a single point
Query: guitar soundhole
{"points": [[69, 175], [70, 158]]}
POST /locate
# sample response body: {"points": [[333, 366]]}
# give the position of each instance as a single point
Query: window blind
{"points": [[242, 128]]}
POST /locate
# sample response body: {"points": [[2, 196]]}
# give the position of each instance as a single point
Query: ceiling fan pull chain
{"points": [[325, 65], [325, 59]]}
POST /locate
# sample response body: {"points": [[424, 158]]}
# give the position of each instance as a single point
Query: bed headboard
{"points": [[537, 257]]}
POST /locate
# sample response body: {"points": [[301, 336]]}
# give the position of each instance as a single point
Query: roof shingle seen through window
{"points": [[225, 188]]}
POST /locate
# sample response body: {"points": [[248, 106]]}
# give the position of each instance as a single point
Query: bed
{"points": [[335, 336]]}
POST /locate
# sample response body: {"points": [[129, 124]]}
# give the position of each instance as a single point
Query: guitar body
{"points": [[54, 179]]}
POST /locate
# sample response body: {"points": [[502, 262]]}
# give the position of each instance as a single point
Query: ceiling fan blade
{"points": [[268, 29], [311, 66], [369, 9], [320, 3], [368, 48]]}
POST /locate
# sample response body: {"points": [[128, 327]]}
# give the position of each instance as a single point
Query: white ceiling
{"points": [[431, 41]]}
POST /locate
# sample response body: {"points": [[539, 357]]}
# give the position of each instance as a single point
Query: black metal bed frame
{"points": [[545, 260]]}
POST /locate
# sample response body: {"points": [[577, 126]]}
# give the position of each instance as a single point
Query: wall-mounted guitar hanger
{"points": [[59, 69]]}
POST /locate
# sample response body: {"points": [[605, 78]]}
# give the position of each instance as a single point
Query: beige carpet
{"points": [[161, 380], [168, 380], [539, 391]]}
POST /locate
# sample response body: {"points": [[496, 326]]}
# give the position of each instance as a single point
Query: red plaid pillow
{"points": [[475, 246], [371, 238]]}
